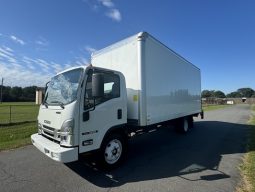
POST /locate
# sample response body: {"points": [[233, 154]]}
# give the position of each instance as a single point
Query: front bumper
{"points": [[54, 150]]}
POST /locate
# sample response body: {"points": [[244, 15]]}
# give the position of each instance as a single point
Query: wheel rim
{"points": [[185, 125], [113, 151]]}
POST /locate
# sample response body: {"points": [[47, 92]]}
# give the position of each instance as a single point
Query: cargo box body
{"points": [[161, 85]]}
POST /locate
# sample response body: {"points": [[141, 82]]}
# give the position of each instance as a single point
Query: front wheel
{"points": [[113, 150]]}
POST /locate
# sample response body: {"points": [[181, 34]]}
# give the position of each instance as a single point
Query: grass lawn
{"points": [[214, 107], [17, 103], [13, 112], [248, 166], [14, 136], [23, 124]]}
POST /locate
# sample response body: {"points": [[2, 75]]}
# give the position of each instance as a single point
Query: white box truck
{"points": [[133, 85]]}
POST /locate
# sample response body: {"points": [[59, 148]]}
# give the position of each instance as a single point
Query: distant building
{"points": [[214, 101], [230, 102]]}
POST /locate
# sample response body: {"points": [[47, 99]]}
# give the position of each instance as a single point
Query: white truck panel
{"points": [[115, 57], [161, 85], [172, 84]]}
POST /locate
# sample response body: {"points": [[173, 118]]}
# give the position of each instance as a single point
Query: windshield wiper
{"points": [[60, 104], [46, 104]]}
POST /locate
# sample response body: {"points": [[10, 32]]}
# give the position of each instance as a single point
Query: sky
{"points": [[39, 38]]}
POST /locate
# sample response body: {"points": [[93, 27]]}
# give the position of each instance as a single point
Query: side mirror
{"points": [[97, 85]]}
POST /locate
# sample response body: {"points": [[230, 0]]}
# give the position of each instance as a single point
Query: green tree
{"points": [[246, 92], [206, 94], [219, 94], [16, 93], [28, 93], [234, 94], [6, 94]]}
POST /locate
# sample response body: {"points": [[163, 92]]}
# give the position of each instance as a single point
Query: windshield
{"points": [[62, 89]]}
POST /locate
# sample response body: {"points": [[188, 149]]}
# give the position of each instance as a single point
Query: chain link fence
{"points": [[10, 114]]}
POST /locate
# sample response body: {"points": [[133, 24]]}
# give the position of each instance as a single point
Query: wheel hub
{"points": [[113, 151]]}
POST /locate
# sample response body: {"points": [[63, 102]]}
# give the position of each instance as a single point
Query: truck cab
{"points": [[81, 107]]}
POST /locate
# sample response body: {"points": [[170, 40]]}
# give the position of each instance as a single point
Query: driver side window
{"points": [[111, 89]]}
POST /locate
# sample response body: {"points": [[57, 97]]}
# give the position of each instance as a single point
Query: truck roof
{"points": [[142, 35], [77, 67]]}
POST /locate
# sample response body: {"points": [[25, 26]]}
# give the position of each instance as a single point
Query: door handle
{"points": [[119, 114], [86, 116]]}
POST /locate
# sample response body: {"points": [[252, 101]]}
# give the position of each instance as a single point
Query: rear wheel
{"points": [[184, 124]]}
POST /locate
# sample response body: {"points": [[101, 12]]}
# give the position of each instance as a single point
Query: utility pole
{"points": [[2, 90]]}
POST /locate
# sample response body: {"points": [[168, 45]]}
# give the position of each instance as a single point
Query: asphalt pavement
{"points": [[205, 159]]}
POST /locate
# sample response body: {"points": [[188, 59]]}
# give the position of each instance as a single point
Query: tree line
{"points": [[242, 92], [15, 94]]}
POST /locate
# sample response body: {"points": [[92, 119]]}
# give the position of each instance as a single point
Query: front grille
{"points": [[49, 128], [51, 132]]}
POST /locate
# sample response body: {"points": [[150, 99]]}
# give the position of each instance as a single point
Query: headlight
{"points": [[39, 125], [66, 133], [67, 127]]}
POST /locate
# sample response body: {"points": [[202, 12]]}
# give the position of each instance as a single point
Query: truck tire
{"points": [[183, 125], [112, 151]]}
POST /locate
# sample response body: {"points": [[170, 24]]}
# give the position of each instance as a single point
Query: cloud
{"points": [[8, 49], [107, 3], [90, 49], [20, 76], [17, 40], [46, 66], [81, 61], [109, 7], [26, 74], [57, 67], [38, 42], [114, 14], [42, 42], [67, 65], [6, 54], [23, 70]]}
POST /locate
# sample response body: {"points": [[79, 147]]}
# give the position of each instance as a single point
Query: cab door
{"points": [[98, 115]]}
